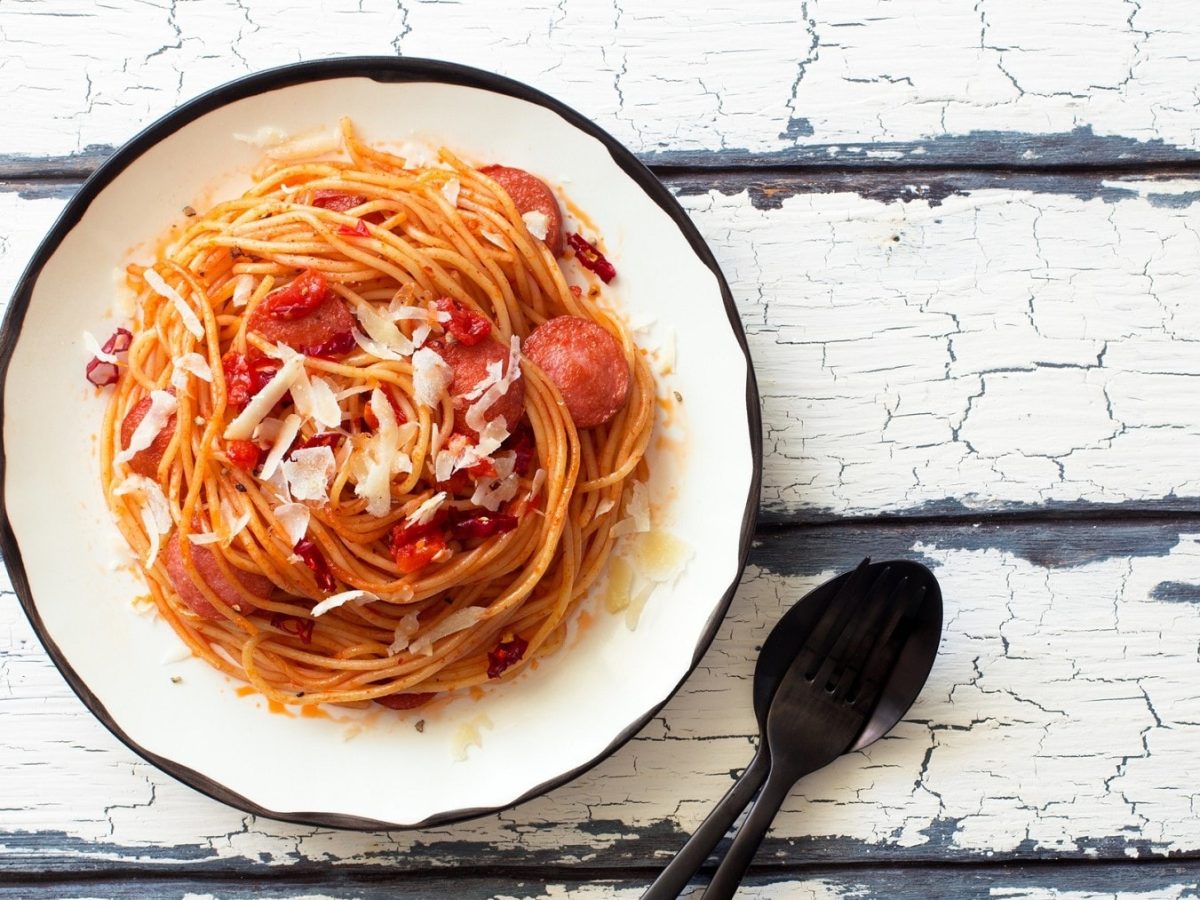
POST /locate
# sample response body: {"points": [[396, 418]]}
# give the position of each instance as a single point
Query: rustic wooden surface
{"points": [[964, 239]]}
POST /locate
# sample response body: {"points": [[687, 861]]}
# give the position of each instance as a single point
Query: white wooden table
{"points": [[964, 237]]}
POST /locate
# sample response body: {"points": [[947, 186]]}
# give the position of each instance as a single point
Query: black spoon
{"points": [[781, 646]]}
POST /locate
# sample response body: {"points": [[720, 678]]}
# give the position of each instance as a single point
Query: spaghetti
{"points": [[366, 439]]}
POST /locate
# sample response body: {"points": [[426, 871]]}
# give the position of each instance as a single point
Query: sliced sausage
{"points": [[404, 701], [329, 325], [586, 364], [206, 566], [470, 367], [530, 194], [145, 462]]}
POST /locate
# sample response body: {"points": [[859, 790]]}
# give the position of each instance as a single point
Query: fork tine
{"points": [[834, 616], [850, 643], [869, 682]]}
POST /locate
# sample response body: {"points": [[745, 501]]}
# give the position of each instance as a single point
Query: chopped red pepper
{"points": [[414, 555], [336, 201], [332, 348], [324, 439], [245, 376], [358, 230], [485, 468], [307, 291], [405, 701], [481, 525], [102, 373], [372, 420], [244, 454], [119, 341], [523, 448], [315, 560], [467, 326], [301, 628], [591, 258], [506, 654]]}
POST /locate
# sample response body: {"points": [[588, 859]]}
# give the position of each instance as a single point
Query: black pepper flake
{"points": [[189, 211], [420, 726], [678, 397], [176, 679], [235, 252], [239, 487], [299, 693]]}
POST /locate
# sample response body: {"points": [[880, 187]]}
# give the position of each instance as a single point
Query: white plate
{"points": [[371, 770]]}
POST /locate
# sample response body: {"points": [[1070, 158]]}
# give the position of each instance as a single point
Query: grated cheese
{"points": [[459, 620], [282, 441], [335, 600], [424, 513], [637, 512], [382, 331], [94, 348], [374, 348], [405, 629], [490, 494], [308, 472], [192, 363], [660, 556], [243, 288], [162, 406], [264, 401], [497, 388], [325, 409], [381, 457], [494, 238], [189, 318], [155, 514], [294, 517], [431, 376], [539, 479], [468, 736], [536, 223], [450, 191]]}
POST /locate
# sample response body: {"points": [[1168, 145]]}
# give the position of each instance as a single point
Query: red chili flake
{"points": [[101, 373], [307, 291], [481, 525], [246, 376], [119, 341], [324, 439], [505, 655], [523, 448], [301, 628], [244, 454], [336, 201], [359, 229], [404, 701], [485, 468], [336, 346], [414, 555], [591, 258], [467, 326], [315, 560], [576, 290]]}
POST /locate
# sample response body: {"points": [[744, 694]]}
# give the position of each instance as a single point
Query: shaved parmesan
{"points": [[162, 407], [490, 494], [637, 512], [459, 620], [417, 155], [604, 506], [424, 513], [325, 409], [405, 629], [308, 472], [421, 334], [242, 289], [497, 388], [374, 348], [351, 391], [468, 736], [94, 348], [189, 318], [192, 363], [539, 479], [335, 600], [536, 223], [267, 429], [400, 312], [264, 401], [620, 585], [266, 136], [494, 238], [431, 376], [382, 457], [233, 522], [661, 556], [283, 440], [301, 391], [155, 514], [450, 191], [206, 537], [382, 331], [636, 604], [294, 517]]}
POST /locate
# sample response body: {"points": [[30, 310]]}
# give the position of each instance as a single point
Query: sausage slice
{"points": [[530, 194], [207, 568], [587, 365]]}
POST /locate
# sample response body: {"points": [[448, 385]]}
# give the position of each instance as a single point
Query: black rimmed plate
{"points": [[354, 769]]}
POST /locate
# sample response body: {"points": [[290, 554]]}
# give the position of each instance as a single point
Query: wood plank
{"points": [[850, 83], [941, 345], [1060, 722], [1053, 882]]}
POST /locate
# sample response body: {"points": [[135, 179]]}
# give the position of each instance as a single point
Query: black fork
{"points": [[822, 704]]}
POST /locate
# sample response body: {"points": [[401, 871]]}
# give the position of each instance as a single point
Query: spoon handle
{"points": [[745, 843], [687, 862]]}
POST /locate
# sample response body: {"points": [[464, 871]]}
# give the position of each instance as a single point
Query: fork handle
{"points": [[687, 862], [741, 852]]}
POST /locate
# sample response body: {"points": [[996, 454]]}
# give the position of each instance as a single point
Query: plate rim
{"points": [[383, 69]]}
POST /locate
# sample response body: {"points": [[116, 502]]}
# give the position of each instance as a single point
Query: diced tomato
{"points": [[301, 628], [332, 348], [358, 230], [485, 468], [481, 525], [414, 555], [244, 454], [467, 326], [246, 376], [305, 293], [336, 201], [506, 654], [591, 258], [315, 560]]}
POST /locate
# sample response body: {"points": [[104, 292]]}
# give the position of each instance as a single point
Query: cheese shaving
{"points": [[536, 223], [539, 480], [204, 538], [325, 409], [637, 512], [308, 472], [660, 556], [264, 401], [233, 522], [604, 506], [450, 191], [401, 312], [619, 589], [267, 429], [195, 364], [94, 348], [490, 494], [189, 318], [294, 517], [382, 331], [335, 600], [424, 513], [352, 391], [243, 288], [494, 238], [459, 620], [637, 603], [497, 388], [431, 376], [421, 334], [374, 348], [162, 407], [405, 629], [468, 736], [417, 155], [382, 457], [155, 514], [283, 440]]}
